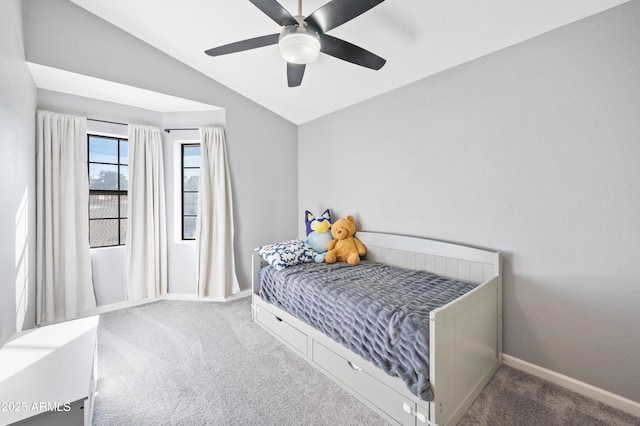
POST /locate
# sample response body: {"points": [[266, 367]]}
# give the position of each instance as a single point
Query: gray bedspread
{"points": [[379, 312]]}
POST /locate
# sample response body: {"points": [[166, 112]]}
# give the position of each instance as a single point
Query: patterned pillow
{"points": [[286, 253]]}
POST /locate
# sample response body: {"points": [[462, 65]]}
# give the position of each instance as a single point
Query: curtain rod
{"points": [[182, 128], [125, 124], [105, 121]]}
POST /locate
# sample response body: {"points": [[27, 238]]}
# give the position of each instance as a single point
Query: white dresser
{"points": [[47, 375]]}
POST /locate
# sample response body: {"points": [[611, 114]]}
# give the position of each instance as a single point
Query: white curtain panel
{"points": [[214, 232], [64, 286], [146, 242]]}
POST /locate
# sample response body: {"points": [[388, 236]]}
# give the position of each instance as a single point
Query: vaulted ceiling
{"points": [[417, 38]]}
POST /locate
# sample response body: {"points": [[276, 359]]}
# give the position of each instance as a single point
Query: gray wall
{"points": [[260, 143], [17, 186], [533, 151]]}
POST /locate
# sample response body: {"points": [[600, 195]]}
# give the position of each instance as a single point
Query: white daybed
{"points": [[465, 334]]}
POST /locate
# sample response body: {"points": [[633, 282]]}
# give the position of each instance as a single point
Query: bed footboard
{"points": [[464, 350]]}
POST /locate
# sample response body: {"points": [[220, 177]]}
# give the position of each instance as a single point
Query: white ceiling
{"points": [[417, 38]]}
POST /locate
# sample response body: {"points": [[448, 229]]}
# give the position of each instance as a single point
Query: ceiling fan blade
{"points": [[350, 52], [248, 44], [295, 72], [275, 11], [337, 12]]}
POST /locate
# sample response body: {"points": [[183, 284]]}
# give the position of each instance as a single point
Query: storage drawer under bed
{"points": [[289, 334], [393, 404]]}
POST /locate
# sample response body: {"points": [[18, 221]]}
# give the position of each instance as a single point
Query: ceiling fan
{"points": [[303, 38]]}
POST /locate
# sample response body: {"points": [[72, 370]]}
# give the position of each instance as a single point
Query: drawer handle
{"points": [[353, 366], [279, 319]]}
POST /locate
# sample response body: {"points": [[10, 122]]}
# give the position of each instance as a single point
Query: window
{"points": [[190, 185], [108, 159]]}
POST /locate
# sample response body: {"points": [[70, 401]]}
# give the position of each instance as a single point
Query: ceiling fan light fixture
{"points": [[299, 45]]}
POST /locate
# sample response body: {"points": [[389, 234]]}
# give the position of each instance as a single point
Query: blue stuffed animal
{"points": [[318, 232]]}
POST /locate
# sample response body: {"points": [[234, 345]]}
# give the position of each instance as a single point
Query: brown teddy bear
{"points": [[344, 247]]}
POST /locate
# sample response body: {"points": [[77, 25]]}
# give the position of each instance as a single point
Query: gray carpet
{"points": [[513, 397], [198, 363]]}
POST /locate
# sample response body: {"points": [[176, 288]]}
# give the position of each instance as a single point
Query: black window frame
{"points": [[119, 192], [183, 191]]}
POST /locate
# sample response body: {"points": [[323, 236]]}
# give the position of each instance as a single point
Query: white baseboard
{"points": [[600, 395], [170, 296], [194, 298], [116, 306]]}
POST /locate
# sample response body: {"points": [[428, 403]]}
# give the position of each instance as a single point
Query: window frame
{"points": [[183, 191], [119, 192]]}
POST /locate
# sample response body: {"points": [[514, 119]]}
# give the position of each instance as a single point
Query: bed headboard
{"points": [[446, 259]]}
